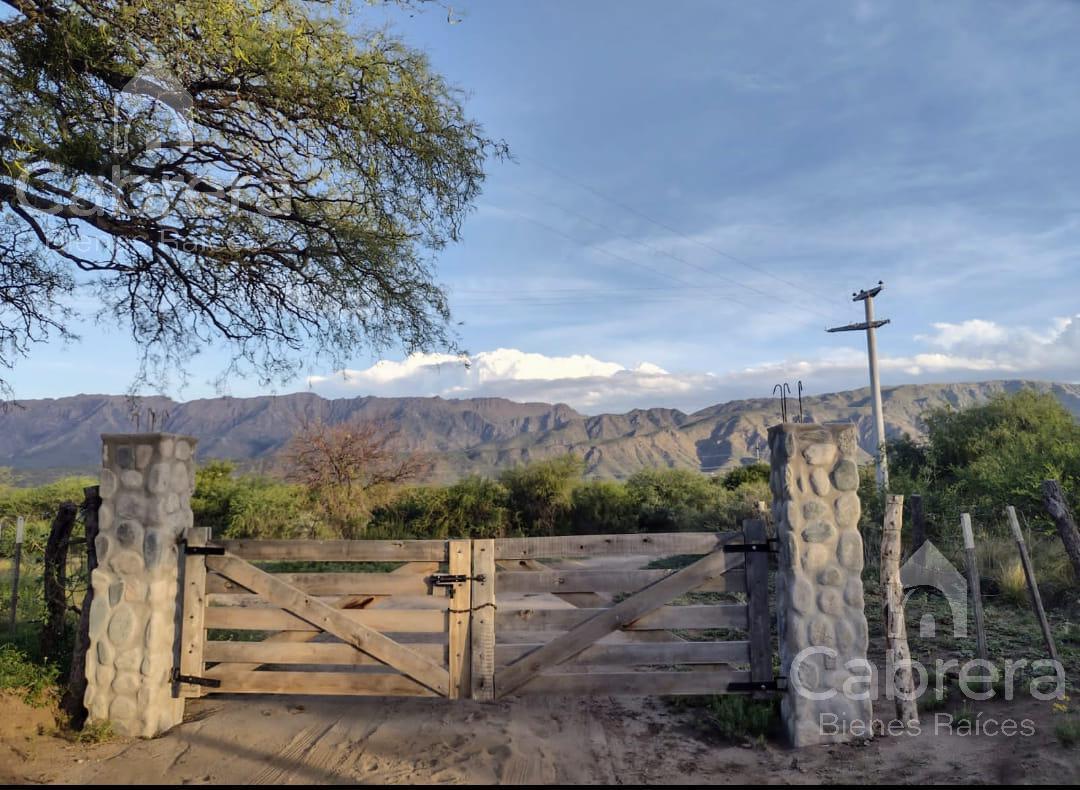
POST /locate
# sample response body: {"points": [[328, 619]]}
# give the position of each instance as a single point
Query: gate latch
{"points": [[194, 680], [776, 684], [209, 550], [449, 580], [770, 546]]}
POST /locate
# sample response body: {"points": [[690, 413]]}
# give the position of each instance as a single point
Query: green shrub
{"points": [[1068, 733], [603, 507], [34, 682], [739, 717], [743, 475], [540, 494]]}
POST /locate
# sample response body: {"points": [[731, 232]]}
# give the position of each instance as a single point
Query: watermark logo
{"points": [[929, 568]]}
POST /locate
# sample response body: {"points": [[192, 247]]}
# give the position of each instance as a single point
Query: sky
{"points": [[697, 188]]}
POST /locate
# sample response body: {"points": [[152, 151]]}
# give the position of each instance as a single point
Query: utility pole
{"points": [[870, 326]]}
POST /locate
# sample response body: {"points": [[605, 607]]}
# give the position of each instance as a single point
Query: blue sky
{"points": [[698, 187]]}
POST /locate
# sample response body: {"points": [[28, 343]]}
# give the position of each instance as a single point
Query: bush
{"points": [[672, 500], [473, 507], [540, 494], [744, 475], [35, 683], [603, 507]]}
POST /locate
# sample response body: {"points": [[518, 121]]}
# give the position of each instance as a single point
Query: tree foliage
{"points": [[247, 173], [985, 457], [349, 468]]}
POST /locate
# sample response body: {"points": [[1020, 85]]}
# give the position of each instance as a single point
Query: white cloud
{"points": [[974, 349]]}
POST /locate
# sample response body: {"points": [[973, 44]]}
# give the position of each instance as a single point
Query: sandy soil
{"points": [[295, 740]]}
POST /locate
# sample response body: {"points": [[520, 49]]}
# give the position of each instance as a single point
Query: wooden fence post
{"points": [[973, 583], [460, 663], [757, 610], [918, 523], [898, 654], [1058, 507], [193, 595], [483, 620], [55, 580], [20, 533], [1033, 586], [72, 702]]}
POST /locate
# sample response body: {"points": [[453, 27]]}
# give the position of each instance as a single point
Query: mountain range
{"points": [[41, 439]]}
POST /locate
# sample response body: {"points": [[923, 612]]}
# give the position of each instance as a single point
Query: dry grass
{"points": [[999, 561]]}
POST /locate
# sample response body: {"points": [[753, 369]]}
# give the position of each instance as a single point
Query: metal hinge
{"points": [[194, 680], [770, 546], [776, 684], [214, 550]]}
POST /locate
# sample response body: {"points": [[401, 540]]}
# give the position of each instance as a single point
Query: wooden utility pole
{"points": [[973, 584], [1033, 586], [898, 654], [870, 326]]}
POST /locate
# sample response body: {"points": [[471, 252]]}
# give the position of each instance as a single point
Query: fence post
{"points": [[757, 589], [1033, 586], [899, 680], [483, 620], [20, 533], [460, 663], [819, 599], [146, 484], [972, 563], [918, 523]]}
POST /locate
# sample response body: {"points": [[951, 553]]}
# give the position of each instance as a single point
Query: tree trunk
{"points": [[1058, 508], [72, 703], [53, 637]]}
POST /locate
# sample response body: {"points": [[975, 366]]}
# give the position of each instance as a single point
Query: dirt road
{"points": [[533, 740]]}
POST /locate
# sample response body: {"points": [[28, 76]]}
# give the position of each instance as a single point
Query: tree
{"points": [[540, 494], [348, 468], [237, 173], [985, 457]]}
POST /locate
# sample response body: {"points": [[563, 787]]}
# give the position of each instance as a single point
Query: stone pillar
{"points": [[146, 484], [819, 589]]}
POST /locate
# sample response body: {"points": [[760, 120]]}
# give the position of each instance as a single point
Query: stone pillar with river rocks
{"points": [[146, 484], [821, 621]]}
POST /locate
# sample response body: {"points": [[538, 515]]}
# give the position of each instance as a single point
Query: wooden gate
{"points": [[642, 614]]}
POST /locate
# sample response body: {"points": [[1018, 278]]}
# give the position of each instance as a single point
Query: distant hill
{"points": [[43, 438]]}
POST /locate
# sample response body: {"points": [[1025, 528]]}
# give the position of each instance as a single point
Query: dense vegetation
{"points": [[544, 498]]}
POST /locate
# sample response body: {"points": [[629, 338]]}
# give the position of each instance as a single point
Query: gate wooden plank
{"points": [[605, 621], [659, 544], [555, 581], [334, 621], [267, 652], [757, 584], [338, 550], [297, 637], [460, 657], [671, 653], [664, 618], [483, 620], [402, 620], [336, 683], [193, 631], [635, 683], [254, 601], [391, 583]]}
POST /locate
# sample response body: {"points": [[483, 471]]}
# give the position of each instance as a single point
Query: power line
{"points": [[668, 254], [650, 269], [670, 229]]}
